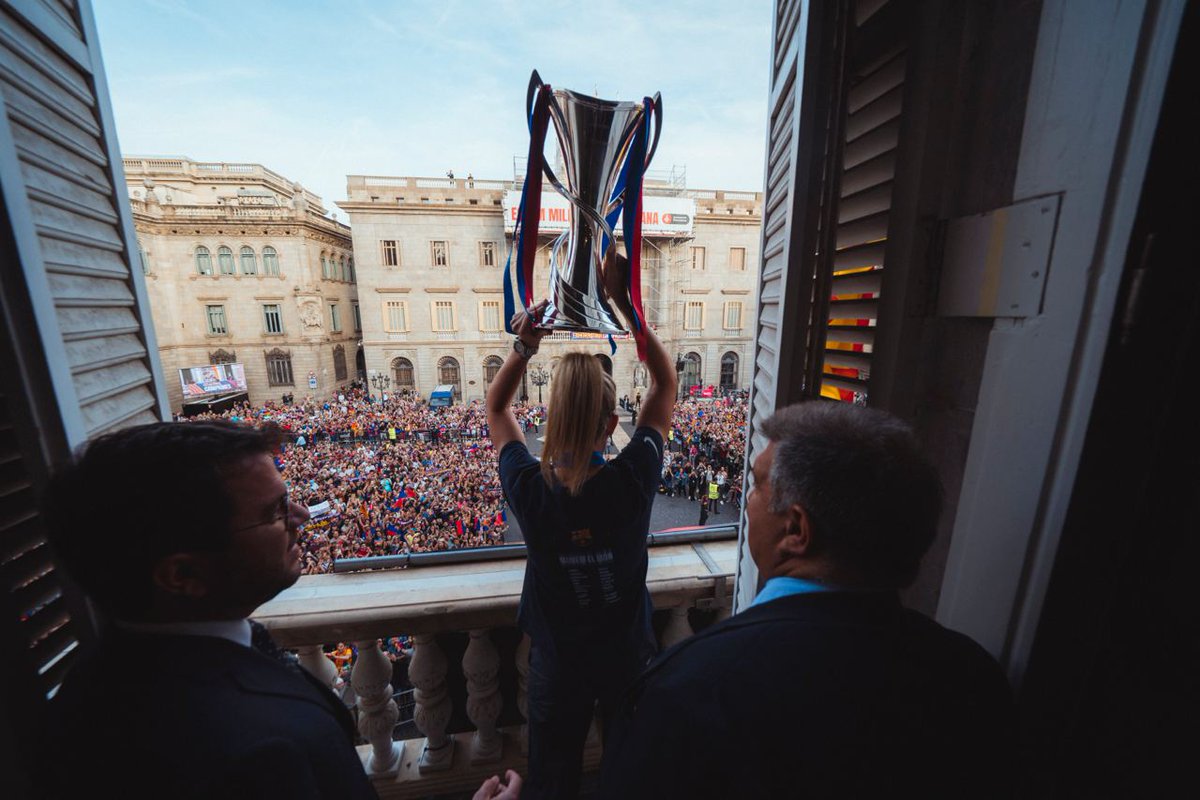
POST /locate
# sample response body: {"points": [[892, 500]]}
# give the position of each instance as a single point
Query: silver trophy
{"points": [[594, 137]]}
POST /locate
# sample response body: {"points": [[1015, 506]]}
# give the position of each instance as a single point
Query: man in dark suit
{"points": [[178, 532], [825, 686]]}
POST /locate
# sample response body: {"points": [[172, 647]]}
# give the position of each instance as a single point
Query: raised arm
{"points": [[502, 423], [659, 400]]}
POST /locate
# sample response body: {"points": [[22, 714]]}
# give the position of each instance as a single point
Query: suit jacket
{"points": [[200, 716], [837, 694]]}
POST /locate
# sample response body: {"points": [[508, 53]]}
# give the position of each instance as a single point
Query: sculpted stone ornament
{"points": [[310, 314]]}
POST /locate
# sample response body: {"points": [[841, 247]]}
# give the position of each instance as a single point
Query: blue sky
{"points": [[319, 90]]}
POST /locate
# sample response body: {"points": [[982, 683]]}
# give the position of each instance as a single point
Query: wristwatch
{"points": [[523, 350]]}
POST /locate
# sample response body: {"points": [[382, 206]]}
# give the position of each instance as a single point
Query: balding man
{"points": [[825, 686]]}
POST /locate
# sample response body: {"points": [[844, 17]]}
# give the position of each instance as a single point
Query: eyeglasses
{"points": [[282, 512]]}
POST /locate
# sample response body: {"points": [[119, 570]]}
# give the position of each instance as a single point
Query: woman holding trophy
{"points": [[584, 604]]}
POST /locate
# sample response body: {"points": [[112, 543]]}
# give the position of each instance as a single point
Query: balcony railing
{"points": [[478, 598]]}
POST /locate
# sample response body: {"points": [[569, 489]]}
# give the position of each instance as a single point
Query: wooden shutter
{"points": [[836, 83], [79, 354], [877, 44]]}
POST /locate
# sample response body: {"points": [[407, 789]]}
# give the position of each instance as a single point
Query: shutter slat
{"points": [[878, 113], [871, 201], [862, 231], [868, 174], [872, 144]]}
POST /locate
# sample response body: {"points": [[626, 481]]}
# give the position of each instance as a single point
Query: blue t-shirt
{"points": [[585, 578]]}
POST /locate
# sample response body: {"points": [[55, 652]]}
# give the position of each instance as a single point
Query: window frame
{"points": [[279, 363], [729, 306], [403, 306], [484, 305], [487, 249], [270, 261], [242, 253], [335, 319], [394, 251], [732, 265], [433, 253], [267, 318], [207, 268], [434, 318], [702, 263], [210, 311], [225, 259], [687, 307]]}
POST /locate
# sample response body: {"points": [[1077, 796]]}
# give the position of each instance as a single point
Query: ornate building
{"points": [[431, 255], [243, 266]]}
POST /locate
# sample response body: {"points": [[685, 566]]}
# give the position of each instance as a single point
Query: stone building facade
{"points": [[242, 266], [431, 255]]}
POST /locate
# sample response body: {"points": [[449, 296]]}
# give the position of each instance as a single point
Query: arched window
{"points": [[270, 261], [350, 266], [491, 365], [324, 267], [279, 367], [691, 371], [729, 371], [145, 258], [402, 374], [448, 374], [339, 363], [225, 260], [203, 261], [344, 274], [249, 262]]}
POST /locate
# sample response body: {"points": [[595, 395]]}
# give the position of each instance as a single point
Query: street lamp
{"points": [[540, 378], [381, 384]]}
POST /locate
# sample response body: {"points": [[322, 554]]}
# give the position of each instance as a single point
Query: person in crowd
{"points": [[203, 533], [827, 686], [584, 603]]}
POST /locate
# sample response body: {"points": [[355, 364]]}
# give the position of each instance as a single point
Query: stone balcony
{"points": [[476, 599]]}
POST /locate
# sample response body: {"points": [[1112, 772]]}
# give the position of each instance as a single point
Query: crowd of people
{"points": [[388, 477], [705, 451], [396, 477]]}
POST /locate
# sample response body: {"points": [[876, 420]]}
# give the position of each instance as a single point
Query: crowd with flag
{"points": [[397, 476], [706, 449], [388, 478]]}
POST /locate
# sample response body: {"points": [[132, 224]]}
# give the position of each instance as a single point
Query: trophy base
{"points": [[569, 327]]}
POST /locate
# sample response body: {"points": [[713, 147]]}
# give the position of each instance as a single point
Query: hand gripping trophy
{"points": [[606, 147]]}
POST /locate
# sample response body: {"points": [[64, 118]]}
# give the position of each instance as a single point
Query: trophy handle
{"points": [[535, 83], [657, 100]]}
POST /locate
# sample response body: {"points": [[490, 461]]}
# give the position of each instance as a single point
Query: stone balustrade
{"points": [[478, 599]]}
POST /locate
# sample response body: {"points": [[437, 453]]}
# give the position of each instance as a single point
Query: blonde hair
{"points": [[582, 399]]}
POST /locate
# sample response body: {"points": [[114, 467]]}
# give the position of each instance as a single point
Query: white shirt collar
{"points": [[235, 630]]}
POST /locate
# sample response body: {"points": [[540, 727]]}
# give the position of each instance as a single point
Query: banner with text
{"points": [[661, 216], [212, 379]]}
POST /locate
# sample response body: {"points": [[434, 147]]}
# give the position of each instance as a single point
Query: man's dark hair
{"points": [[142, 493], [872, 496]]}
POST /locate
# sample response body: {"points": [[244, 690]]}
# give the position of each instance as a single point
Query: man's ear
{"points": [[797, 541], [181, 574]]}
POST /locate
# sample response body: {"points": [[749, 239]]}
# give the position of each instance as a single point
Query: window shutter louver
{"points": [[875, 71], [78, 352]]}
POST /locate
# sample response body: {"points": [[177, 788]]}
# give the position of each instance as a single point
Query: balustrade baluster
{"points": [[314, 660], [678, 627], [481, 666], [427, 673], [377, 711]]}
